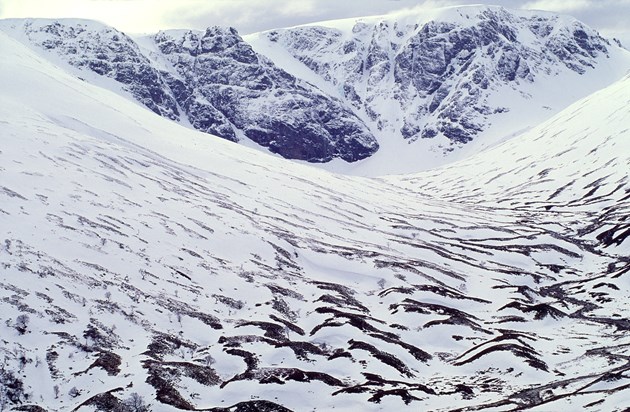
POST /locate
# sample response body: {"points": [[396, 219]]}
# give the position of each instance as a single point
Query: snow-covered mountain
{"points": [[141, 257], [389, 94], [210, 80], [429, 81]]}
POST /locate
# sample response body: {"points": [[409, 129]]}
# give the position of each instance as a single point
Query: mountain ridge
{"points": [[346, 53], [319, 118]]}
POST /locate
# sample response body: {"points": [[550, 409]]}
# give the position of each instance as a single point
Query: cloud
{"points": [[608, 16], [599, 14], [126, 15], [248, 16], [561, 6]]}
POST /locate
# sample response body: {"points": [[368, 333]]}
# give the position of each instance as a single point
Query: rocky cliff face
{"points": [[217, 82], [441, 76], [224, 86]]}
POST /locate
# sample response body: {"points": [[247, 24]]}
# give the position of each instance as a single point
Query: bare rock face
{"points": [[227, 85], [440, 78]]}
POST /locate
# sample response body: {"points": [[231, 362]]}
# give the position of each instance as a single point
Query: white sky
{"points": [[610, 17]]}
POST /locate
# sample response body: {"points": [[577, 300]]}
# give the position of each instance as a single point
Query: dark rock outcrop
{"points": [[226, 88]]}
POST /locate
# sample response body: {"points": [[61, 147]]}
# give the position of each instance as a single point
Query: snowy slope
{"points": [[149, 258], [428, 82]]}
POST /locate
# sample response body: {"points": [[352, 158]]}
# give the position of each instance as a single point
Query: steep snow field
{"points": [[151, 258]]}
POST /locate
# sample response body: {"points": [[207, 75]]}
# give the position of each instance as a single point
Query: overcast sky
{"points": [[610, 17]]}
